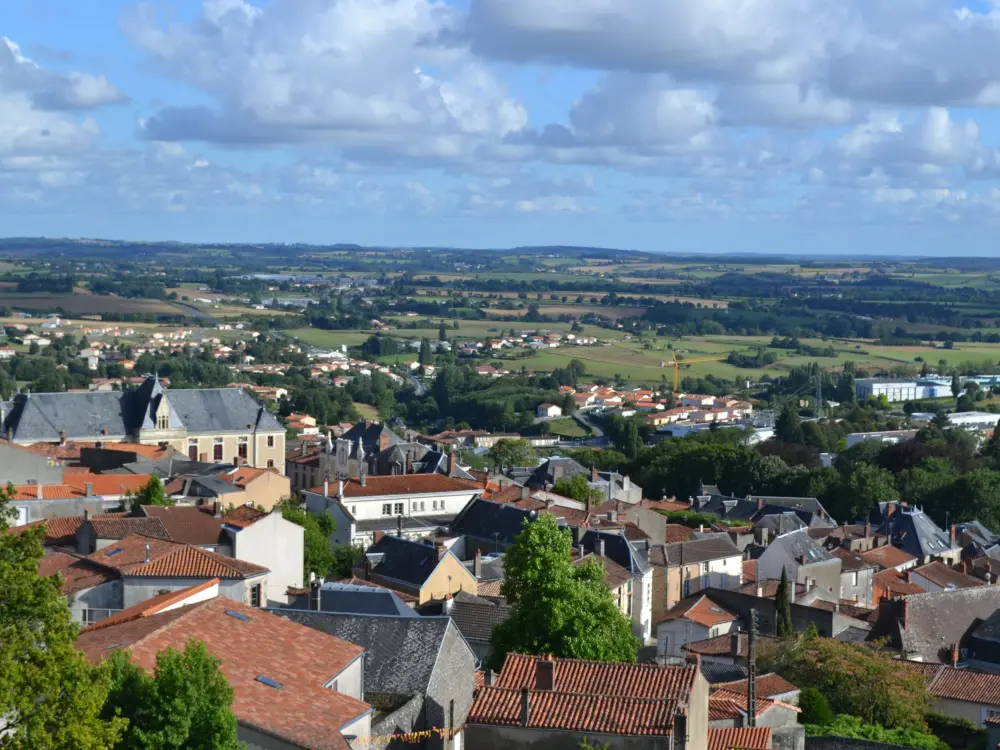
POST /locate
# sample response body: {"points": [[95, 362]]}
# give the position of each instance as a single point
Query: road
{"points": [[196, 313], [418, 387], [583, 418]]}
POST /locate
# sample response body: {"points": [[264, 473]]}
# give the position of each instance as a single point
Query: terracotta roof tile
{"points": [[744, 738], [78, 574], [108, 484], [768, 686], [699, 609], [243, 476], [677, 533], [729, 704], [490, 588], [61, 529], [749, 570], [966, 685], [119, 528], [891, 583], [170, 560], [596, 677], [152, 606], [887, 556], [605, 714], [942, 575], [723, 645], [404, 484], [300, 659], [243, 516], [189, 524]]}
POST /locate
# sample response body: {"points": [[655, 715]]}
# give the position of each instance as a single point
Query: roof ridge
{"points": [[191, 609], [604, 696], [629, 664]]}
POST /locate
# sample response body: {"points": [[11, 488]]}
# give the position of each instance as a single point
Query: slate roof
{"points": [[912, 531], [780, 523], [369, 435], [300, 660], [117, 415], [851, 561], [475, 616], [715, 673], [408, 598], [977, 533], [482, 519], [552, 468], [362, 600], [400, 652], [404, 560], [799, 546], [633, 556]]}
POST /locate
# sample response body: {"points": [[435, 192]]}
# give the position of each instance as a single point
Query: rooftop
{"points": [[946, 577], [745, 738], [403, 484], [701, 610], [189, 524], [143, 556]]}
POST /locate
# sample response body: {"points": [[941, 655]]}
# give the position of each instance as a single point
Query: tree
{"points": [[867, 486], [784, 626], [508, 452], [51, 697], [577, 488], [630, 441], [318, 557], [556, 608], [853, 728], [442, 332], [150, 493], [186, 704], [425, 352], [956, 385], [815, 707], [788, 428]]}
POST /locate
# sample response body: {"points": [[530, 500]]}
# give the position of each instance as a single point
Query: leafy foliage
{"points": [[150, 493], [318, 556], [507, 453], [52, 697], [815, 707], [577, 488], [186, 704], [782, 597], [852, 727], [558, 608]]}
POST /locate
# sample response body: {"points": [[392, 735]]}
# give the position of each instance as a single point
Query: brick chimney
{"points": [[955, 656], [383, 440], [545, 674], [906, 614], [451, 463], [760, 503], [952, 535], [216, 510], [377, 536], [440, 549], [89, 489]]}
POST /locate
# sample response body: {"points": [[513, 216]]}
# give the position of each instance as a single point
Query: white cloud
{"points": [[47, 90]]}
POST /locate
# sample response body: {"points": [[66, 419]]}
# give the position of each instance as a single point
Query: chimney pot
{"points": [[953, 535], [954, 653], [488, 678], [39, 494], [89, 487], [86, 514], [525, 493], [216, 512], [599, 547]]}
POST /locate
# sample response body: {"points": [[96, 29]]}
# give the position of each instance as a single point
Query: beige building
{"points": [[262, 488], [209, 424], [430, 573]]}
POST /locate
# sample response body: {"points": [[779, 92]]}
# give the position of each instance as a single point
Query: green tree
{"points": [[782, 597], [424, 358], [868, 485], [577, 488], [150, 493], [815, 707], [52, 697], [788, 428], [442, 332], [345, 557], [852, 727], [557, 608], [507, 452], [185, 704], [318, 556], [956, 385]]}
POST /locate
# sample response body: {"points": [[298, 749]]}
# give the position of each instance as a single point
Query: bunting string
{"points": [[445, 733]]}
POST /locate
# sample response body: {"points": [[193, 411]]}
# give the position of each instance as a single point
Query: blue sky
{"points": [[805, 126]]}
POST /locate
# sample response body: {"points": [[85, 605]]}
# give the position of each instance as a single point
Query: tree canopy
{"points": [[558, 608]]}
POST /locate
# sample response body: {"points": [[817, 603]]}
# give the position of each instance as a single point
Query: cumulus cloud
{"points": [[47, 90]]}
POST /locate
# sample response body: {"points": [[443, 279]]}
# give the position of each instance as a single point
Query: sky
{"points": [[789, 126]]}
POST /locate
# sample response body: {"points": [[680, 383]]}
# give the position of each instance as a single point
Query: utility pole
{"points": [[752, 670]]}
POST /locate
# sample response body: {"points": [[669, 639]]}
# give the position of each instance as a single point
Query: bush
{"points": [[852, 727], [815, 708]]}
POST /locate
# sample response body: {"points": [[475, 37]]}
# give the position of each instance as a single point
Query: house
{"points": [[888, 557], [35, 503], [936, 576], [147, 566], [802, 559], [547, 411], [633, 556], [544, 702], [696, 618], [768, 685], [292, 667], [730, 710], [421, 570], [221, 423], [20, 465], [725, 650], [684, 568], [266, 539], [619, 581], [345, 597], [418, 671], [611, 485], [475, 617], [857, 577], [91, 591], [415, 503], [891, 584], [915, 533], [262, 488]]}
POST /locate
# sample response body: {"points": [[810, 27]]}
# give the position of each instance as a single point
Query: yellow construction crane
{"points": [[676, 364]]}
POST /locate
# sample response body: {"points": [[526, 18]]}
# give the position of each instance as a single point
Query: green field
{"points": [[567, 427], [86, 304]]}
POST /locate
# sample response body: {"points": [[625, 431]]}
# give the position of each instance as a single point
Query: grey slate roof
{"points": [[369, 435], [913, 532], [631, 556], [553, 468], [116, 415], [801, 547], [781, 523], [475, 616], [978, 533], [482, 519], [715, 673], [404, 560], [346, 598], [400, 652]]}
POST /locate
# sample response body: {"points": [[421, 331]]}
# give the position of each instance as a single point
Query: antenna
{"points": [[752, 670]]}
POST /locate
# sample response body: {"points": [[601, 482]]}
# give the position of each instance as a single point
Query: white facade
{"points": [[894, 390], [642, 614], [276, 544], [374, 507]]}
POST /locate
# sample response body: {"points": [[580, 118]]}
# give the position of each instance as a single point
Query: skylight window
{"points": [[237, 615], [113, 552], [268, 681]]}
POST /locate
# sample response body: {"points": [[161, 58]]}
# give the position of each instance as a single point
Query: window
{"points": [[217, 449], [399, 509], [434, 504], [270, 463], [270, 441], [193, 450], [354, 511], [386, 509], [163, 422], [255, 595], [855, 578], [241, 449]]}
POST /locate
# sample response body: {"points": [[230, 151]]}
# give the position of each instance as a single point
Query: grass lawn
{"points": [[568, 427], [367, 411]]}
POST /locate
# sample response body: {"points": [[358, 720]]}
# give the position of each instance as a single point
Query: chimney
{"points": [[377, 536], [525, 493], [734, 644], [868, 529], [62, 437], [477, 565], [488, 678], [593, 474], [760, 591], [147, 552], [954, 650], [363, 479], [525, 707], [760, 503], [368, 567], [626, 484], [216, 509], [303, 449], [340, 489], [581, 552], [599, 547], [440, 549], [104, 431], [326, 485], [86, 514], [545, 674], [315, 586], [792, 586], [451, 463], [953, 535], [89, 488], [39, 494], [906, 613]]}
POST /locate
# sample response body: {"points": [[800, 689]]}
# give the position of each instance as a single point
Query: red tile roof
{"points": [[108, 484], [490, 588], [189, 524], [301, 659], [887, 556], [604, 714], [944, 576], [699, 609], [749, 570], [598, 677], [891, 583], [170, 560], [243, 476], [729, 704], [744, 738], [152, 606], [243, 516], [404, 484], [722, 645], [61, 530], [119, 528], [77, 573], [768, 686], [966, 685], [677, 533]]}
